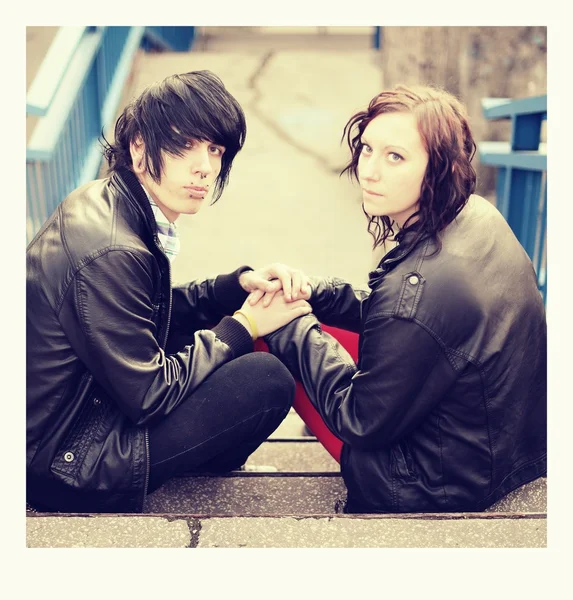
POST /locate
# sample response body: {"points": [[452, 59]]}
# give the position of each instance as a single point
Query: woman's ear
{"points": [[137, 151]]}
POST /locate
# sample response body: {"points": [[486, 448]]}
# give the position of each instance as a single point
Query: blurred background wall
{"points": [[472, 63]]}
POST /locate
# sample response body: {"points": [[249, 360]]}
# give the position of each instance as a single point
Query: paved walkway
{"points": [[285, 201]]}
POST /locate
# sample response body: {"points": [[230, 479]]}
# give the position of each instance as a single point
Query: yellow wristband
{"points": [[254, 330]]}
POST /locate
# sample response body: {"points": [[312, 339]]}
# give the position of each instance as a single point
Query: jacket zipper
{"points": [[163, 345]]}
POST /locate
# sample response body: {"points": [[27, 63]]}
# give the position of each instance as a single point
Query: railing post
{"points": [[526, 131], [377, 41], [521, 174], [525, 196]]}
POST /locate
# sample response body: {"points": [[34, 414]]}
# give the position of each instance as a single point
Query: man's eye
{"points": [[216, 150], [190, 144]]}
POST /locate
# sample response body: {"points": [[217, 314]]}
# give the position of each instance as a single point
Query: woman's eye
{"points": [[366, 149], [395, 157]]}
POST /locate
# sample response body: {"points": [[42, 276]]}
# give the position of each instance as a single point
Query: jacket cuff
{"points": [[228, 291], [232, 333]]}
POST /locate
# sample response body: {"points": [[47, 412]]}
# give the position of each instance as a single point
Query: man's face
{"points": [[185, 180]]}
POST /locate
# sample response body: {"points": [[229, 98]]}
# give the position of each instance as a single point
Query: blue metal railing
{"points": [[377, 38], [521, 188], [178, 39], [76, 94]]}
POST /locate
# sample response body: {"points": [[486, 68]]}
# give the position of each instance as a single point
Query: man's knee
{"points": [[271, 380]]}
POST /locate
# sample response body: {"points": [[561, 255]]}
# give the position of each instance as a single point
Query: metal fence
{"points": [[521, 188], [76, 95]]}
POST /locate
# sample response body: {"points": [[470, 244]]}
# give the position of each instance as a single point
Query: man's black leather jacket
{"points": [[446, 409], [100, 364]]}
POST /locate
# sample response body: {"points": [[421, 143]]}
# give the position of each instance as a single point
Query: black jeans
{"points": [[223, 421]]}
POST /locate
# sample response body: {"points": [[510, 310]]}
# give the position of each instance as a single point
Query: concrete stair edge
{"points": [[416, 531]]}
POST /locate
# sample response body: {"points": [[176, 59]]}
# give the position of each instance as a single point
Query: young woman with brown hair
{"points": [[445, 406]]}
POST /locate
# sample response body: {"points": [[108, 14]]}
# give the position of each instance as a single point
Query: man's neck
{"points": [[168, 214]]}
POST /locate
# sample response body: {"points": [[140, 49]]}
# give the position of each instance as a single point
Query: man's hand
{"points": [[270, 318], [269, 280]]}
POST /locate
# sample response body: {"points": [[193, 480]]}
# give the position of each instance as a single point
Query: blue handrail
{"points": [[521, 188], [76, 94]]}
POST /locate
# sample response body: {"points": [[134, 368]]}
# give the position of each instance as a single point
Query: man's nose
{"points": [[201, 161]]}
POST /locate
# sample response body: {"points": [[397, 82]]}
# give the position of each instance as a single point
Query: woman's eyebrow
{"points": [[363, 140]]}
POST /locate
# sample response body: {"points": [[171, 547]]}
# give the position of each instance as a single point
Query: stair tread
{"points": [[293, 495], [419, 531], [308, 456]]}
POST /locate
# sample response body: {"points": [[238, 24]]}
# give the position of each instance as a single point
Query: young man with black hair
{"points": [[128, 382]]}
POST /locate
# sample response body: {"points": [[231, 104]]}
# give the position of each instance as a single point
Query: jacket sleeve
{"points": [[107, 315], [203, 303], [336, 302], [403, 375]]}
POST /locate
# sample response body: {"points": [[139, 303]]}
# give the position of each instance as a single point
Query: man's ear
{"points": [[137, 151]]}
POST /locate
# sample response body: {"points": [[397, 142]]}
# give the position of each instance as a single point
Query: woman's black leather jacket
{"points": [[446, 409], [100, 364]]}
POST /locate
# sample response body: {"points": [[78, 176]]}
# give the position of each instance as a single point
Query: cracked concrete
{"points": [[281, 132], [420, 531], [195, 531]]}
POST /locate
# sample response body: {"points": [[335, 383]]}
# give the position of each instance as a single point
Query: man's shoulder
{"points": [[93, 220]]}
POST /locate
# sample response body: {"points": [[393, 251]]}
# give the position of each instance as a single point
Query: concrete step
{"points": [[273, 494], [248, 495], [467, 530], [294, 457]]}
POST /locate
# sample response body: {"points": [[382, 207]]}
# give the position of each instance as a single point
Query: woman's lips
{"points": [[370, 192]]}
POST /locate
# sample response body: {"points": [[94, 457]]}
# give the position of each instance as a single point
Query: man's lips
{"points": [[196, 188], [196, 191]]}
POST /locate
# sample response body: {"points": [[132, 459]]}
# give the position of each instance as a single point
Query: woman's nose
{"points": [[367, 170]]}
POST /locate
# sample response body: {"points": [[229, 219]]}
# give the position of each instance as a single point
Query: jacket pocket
{"points": [[73, 450], [404, 462]]}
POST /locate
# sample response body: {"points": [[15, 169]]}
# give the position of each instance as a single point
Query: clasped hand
{"points": [[278, 294], [269, 280]]}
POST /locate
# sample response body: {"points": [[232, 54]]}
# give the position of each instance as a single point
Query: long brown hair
{"points": [[449, 179]]}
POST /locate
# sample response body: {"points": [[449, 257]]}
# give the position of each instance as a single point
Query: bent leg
{"points": [[304, 407], [224, 420]]}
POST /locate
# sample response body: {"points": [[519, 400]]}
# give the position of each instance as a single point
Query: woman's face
{"points": [[391, 166]]}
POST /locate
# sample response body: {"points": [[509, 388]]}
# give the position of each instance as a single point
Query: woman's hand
{"points": [[269, 280], [270, 318]]}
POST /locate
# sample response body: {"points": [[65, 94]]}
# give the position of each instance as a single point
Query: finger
{"points": [[255, 296], [306, 288], [273, 286], [284, 276], [303, 310], [299, 304], [296, 284], [269, 298]]}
